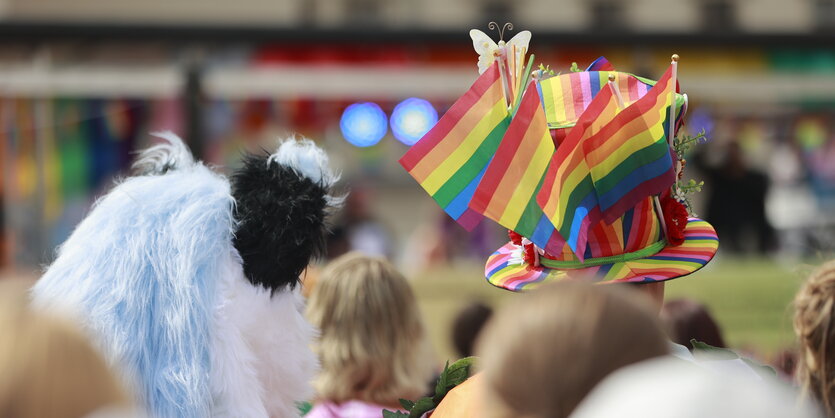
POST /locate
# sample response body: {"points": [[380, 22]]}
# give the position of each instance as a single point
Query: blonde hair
{"points": [[544, 353], [47, 367], [815, 328], [372, 345]]}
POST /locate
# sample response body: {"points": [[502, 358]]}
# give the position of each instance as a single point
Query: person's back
{"points": [[372, 346]]}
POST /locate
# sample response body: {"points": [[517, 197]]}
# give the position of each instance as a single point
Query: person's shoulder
{"points": [[348, 409]]}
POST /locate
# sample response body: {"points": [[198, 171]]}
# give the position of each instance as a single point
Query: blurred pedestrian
{"points": [[373, 346]]}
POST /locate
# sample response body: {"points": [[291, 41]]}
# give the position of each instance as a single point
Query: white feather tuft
{"points": [[164, 157], [307, 159]]}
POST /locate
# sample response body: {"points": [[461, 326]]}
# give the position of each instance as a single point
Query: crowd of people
{"points": [[567, 349], [185, 293]]}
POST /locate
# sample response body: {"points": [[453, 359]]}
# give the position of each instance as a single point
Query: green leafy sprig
{"points": [[453, 375], [683, 191], [684, 143], [544, 71]]}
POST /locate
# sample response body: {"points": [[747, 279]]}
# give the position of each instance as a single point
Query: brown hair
{"points": [[47, 367], [372, 346], [544, 353], [687, 319], [815, 328]]}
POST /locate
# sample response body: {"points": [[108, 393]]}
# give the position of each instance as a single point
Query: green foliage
{"points": [[452, 376], [574, 68], [684, 191], [684, 143], [545, 71]]}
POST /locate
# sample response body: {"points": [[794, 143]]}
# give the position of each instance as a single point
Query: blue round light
{"points": [[363, 124], [412, 119]]}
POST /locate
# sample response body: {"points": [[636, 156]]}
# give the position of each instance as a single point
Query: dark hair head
{"points": [[687, 319], [468, 325]]}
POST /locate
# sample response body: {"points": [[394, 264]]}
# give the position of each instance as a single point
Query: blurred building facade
{"points": [[758, 16]]}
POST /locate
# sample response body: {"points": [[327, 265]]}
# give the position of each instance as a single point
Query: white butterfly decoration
{"points": [[488, 50]]}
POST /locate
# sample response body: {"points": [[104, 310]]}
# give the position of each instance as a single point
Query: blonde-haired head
{"points": [[47, 367], [815, 328], [373, 344]]}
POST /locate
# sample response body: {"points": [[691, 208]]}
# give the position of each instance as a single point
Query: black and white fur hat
{"points": [[282, 202]]}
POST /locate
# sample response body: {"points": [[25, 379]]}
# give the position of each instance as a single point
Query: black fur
{"points": [[281, 219]]}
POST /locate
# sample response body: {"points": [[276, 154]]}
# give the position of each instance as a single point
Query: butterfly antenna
{"points": [[495, 26], [507, 26]]}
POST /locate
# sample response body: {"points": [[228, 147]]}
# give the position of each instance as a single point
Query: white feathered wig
{"points": [[187, 281]]}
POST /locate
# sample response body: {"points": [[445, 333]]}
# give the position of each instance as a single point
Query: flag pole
{"points": [[672, 135], [674, 64], [616, 91]]}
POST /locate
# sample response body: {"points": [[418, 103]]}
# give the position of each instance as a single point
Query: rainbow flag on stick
{"points": [[567, 196], [507, 192], [449, 161], [629, 158]]}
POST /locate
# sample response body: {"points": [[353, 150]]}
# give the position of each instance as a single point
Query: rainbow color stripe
{"points": [[699, 247], [567, 196], [508, 189], [449, 161], [567, 96], [629, 158]]}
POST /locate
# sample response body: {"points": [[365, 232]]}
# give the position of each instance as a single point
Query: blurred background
{"points": [[82, 84]]}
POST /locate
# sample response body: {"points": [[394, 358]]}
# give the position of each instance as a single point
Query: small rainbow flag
{"points": [[507, 192], [567, 96], [450, 160], [567, 196], [630, 158]]}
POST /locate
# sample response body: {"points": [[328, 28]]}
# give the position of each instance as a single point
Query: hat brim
{"points": [[699, 247]]}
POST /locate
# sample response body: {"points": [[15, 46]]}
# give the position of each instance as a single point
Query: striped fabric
{"points": [[508, 189], [629, 158], [635, 230], [449, 161], [567, 196], [565, 97], [700, 245], [601, 64]]}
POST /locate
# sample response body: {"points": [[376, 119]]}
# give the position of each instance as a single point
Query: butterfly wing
{"points": [[485, 47], [521, 40]]}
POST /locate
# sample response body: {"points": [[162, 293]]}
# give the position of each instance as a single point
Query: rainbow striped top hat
{"points": [[580, 167]]}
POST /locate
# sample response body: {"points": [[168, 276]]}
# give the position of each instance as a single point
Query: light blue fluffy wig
{"points": [[141, 272]]}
